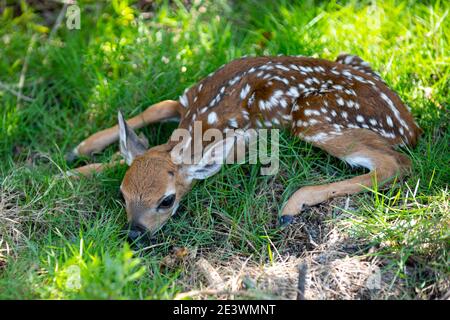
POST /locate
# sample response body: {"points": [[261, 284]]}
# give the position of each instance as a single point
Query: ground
{"points": [[63, 238]]}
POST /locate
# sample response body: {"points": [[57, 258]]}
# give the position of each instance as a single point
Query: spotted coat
{"points": [[317, 99]]}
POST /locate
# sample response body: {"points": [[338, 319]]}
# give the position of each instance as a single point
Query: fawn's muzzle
{"points": [[139, 235]]}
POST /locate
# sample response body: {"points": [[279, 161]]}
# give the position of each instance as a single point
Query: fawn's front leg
{"points": [[357, 147], [163, 110]]}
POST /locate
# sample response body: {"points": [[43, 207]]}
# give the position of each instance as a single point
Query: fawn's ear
{"points": [[212, 160], [131, 145]]}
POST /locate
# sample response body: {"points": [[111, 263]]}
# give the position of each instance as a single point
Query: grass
{"points": [[53, 231]]}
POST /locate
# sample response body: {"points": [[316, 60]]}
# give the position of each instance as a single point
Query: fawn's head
{"points": [[157, 179]]}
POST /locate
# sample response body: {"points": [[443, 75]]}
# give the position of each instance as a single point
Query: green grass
{"points": [[79, 78]]}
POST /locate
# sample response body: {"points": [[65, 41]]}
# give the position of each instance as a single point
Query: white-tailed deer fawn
{"points": [[342, 107]]}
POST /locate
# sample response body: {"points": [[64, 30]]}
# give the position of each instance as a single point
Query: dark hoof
{"points": [[71, 156], [286, 220]]}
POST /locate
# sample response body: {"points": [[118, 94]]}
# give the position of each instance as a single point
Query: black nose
{"points": [[137, 233]]}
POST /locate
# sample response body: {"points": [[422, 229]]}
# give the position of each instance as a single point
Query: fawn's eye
{"points": [[167, 202]]}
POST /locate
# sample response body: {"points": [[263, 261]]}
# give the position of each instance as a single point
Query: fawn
{"points": [[342, 107]]}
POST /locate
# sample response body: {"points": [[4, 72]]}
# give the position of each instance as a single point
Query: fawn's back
{"points": [[318, 99]]}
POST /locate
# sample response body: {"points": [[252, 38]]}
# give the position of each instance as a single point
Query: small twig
{"points": [[347, 204], [28, 84], [21, 83], [24, 70], [301, 285], [16, 93], [149, 247], [210, 273], [271, 243], [311, 240], [58, 21], [446, 296], [90, 169], [236, 282]]}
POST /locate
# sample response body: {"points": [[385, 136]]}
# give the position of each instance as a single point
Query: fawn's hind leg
{"points": [[357, 147], [163, 110]]}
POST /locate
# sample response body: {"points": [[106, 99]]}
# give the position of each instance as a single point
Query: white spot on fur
{"points": [[212, 118], [389, 121], [251, 99], [348, 59], [281, 67], [319, 69], [310, 112], [319, 137], [262, 104], [350, 103], [234, 80], [245, 91], [293, 92], [359, 118], [184, 100], [358, 160], [306, 69], [233, 123], [284, 80], [394, 110]]}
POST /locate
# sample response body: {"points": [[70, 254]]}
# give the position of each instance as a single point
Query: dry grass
{"points": [[12, 217], [318, 257], [22, 214]]}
